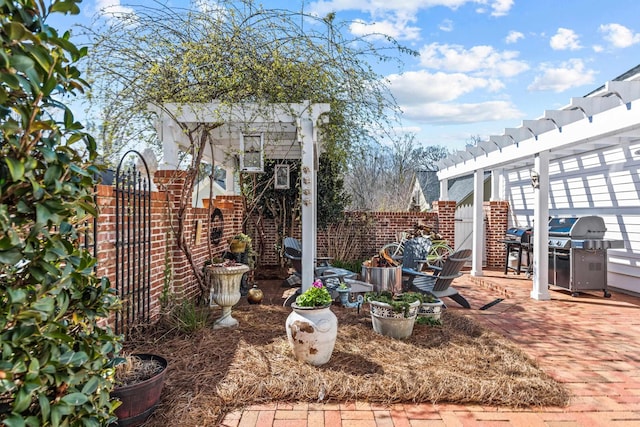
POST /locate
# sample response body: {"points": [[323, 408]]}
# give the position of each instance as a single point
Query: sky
{"points": [[484, 65]]}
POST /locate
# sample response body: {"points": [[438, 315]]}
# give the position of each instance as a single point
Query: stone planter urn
{"points": [[224, 282], [312, 333]]}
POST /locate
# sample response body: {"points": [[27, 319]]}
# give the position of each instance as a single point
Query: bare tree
{"points": [[380, 176]]}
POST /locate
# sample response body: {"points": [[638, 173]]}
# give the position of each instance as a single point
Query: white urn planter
{"points": [[388, 322], [225, 284], [312, 333]]}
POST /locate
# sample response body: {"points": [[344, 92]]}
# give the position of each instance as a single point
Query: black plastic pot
{"points": [[139, 400]]}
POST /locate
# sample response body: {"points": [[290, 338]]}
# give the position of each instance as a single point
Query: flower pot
{"points": [[431, 309], [139, 400], [223, 204], [237, 246], [387, 322], [205, 203], [312, 333], [224, 283]]}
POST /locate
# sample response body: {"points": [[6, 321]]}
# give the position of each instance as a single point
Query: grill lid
{"points": [[585, 227], [521, 234]]}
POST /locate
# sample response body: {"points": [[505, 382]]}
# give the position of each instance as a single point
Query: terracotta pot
{"points": [[205, 203], [312, 333], [223, 204], [139, 400]]}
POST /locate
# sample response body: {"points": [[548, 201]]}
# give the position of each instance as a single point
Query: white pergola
{"points": [[607, 117], [290, 131]]}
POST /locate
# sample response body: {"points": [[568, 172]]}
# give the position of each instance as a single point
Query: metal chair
{"points": [[330, 276]]}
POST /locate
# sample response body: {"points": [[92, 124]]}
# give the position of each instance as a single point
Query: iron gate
{"points": [[133, 241]]}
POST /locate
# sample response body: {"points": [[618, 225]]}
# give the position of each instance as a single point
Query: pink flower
{"points": [[317, 284]]}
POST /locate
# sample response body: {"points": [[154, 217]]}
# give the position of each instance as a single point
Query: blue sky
{"points": [[485, 64]]}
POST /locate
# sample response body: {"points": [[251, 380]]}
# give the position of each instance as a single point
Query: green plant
{"points": [[187, 317], [400, 303], [56, 347], [316, 296], [425, 320], [241, 237]]}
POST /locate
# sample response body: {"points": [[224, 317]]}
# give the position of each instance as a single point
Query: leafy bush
{"points": [[55, 349]]}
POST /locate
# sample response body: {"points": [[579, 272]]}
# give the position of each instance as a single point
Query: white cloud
{"points": [[397, 30], [619, 36], [399, 13], [429, 98], [112, 8], [565, 39], [597, 48], [483, 60], [513, 37], [425, 87], [501, 7], [558, 79], [446, 25], [449, 114]]}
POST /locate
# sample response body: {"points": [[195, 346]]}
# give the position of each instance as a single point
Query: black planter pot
{"points": [[139, 400]]}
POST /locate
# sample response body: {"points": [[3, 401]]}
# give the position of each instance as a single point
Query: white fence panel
{"points": [[464, 230]]}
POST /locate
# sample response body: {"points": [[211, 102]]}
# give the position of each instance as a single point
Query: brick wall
{"points": [[360, 237]]}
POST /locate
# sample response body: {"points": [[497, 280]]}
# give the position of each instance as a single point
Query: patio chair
{"points": [[330, 276], [323, 267], [438, 284]]}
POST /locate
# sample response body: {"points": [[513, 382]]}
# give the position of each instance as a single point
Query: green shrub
{"points": [[187, 317], [55, 351]]}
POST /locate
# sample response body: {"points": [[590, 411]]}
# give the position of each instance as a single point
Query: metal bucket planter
{"points": [[139, 400], [431, 310], [390, 323]]}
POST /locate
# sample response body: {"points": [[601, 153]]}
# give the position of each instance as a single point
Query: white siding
{"points": [[604, 183]]}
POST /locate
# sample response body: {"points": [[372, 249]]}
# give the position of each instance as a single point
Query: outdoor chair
{"points": [[438, 284], [330, 276]]}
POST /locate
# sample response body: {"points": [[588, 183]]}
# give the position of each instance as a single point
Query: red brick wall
{"points": [[163, 226], [367, 233]]}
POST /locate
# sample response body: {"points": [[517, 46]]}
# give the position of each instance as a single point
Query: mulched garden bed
{"points": [[212, 372]]}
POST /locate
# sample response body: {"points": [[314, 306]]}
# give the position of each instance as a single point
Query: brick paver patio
{"points": [[590, 343]]}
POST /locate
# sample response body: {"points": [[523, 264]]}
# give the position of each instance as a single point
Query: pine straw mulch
{"points": [[212, 372]]}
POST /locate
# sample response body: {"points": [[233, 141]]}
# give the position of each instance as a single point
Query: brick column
{"points": [[497, 214], [446, 210]]}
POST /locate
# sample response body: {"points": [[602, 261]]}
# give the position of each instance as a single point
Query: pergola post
{"points": [[308, 205], [478, 223], [540, 182]]}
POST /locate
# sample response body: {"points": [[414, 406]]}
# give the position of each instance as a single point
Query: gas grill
{"points": [[578, 253], [517, 244]]}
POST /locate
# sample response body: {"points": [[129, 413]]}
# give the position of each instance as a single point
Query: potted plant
{"points": [[393, 314], [139, 379], [431, 307], [238, 243], [312, 327]]}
